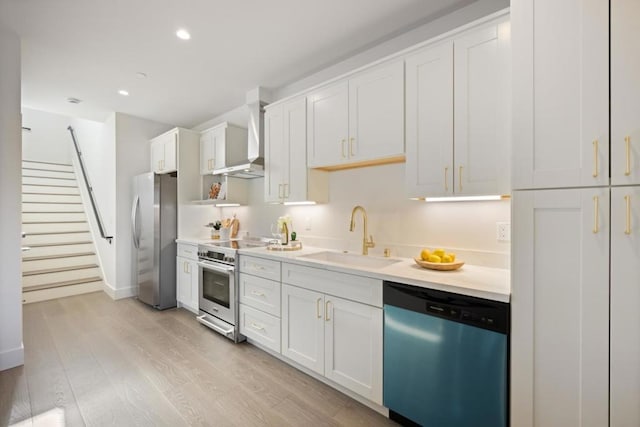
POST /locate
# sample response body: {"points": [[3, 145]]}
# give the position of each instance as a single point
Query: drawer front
{"points": [[355, 288], [263, 294], [260, 267], [260, 327], [188, 251]]}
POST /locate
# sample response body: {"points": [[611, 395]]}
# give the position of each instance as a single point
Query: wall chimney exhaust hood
{"points": [[249, 163]]}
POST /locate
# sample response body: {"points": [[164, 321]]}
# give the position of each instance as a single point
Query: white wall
{"points": [[11, 348], [49, 139], [475, 10], [405, 226], [132, 158]]}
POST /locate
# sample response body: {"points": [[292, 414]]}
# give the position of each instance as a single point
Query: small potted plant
{"points": [[215, 229]]}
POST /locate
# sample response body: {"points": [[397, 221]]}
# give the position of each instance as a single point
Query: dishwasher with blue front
{"points": [[445, 358]]}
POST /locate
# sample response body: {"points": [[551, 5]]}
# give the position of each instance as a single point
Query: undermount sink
{"points": [[351, 260]]}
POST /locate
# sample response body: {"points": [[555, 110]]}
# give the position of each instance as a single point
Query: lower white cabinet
{"points": [[560, 310], [260, 327], [334, 337], [187, 280]]}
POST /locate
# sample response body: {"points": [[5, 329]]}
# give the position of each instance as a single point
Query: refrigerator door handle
{"points": [[134, 217]]}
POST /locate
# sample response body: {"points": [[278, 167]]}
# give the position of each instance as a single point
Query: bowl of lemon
{"points": [[438, 259]]}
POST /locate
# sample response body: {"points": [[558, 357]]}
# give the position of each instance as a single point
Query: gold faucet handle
{"points": [[371, 243]]}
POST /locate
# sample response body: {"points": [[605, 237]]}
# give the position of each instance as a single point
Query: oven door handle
{"points": [[212, 266]]}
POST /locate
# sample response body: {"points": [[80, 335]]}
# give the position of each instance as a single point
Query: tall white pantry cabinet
{"points": [[575, 336]]}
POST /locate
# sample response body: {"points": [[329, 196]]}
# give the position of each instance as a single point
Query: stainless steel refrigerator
{"points": [[154, 229]]}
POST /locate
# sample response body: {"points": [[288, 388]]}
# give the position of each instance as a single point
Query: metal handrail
{"points": [[94, 205]]}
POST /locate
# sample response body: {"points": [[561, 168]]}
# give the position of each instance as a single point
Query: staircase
{"points": [[62, 260]]}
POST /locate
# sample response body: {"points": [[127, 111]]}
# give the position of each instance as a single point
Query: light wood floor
{"points": [[121, 363]]}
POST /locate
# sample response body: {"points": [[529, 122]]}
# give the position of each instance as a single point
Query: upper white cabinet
{"points": [[625, 92], [357, 121], [560, 310], [458, 115], [164, 151], [287, 178], [561, 92], [221, 145]]}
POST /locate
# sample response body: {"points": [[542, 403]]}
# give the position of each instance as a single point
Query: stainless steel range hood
{"points": [[250, 162]]}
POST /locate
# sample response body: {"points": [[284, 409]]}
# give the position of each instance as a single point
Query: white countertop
{"points": [[472, 280]]}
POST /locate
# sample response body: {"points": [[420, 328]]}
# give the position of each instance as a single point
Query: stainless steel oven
{"points": [[218, 285]]}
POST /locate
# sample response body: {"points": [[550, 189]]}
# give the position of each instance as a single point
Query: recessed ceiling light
{"points": [[183, 34], [123, 92], [141, 75], [72, 100]]}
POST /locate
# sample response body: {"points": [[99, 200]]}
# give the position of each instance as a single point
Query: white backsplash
{"points": [[405, 226]]}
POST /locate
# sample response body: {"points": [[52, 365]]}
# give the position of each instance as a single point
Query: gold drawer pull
{"points": [[257, 293], [595, 215], [446, 172], [351, 154], [342, 147], [595, 158], [256, 326], [326, 311], [318, 303], [460, 178], [627, 229], [627, 146]]}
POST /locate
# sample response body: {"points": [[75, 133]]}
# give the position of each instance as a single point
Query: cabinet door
{"points": [[328, 126], [430, 121], [170, 153], [157, 155], [275, 155], [376, 113], [625, 316], [625, 92], [184, 281], [219, 147], [303, 327], [482, 100], [295, 139], [206, 153], [560, 93], [353, 346], [560, 308]]}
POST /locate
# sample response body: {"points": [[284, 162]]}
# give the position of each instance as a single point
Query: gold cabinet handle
{"points": [[285, 191], [627, 229], [318, 303], [446, 172], [595, 158], [627, 146], [460, 178], [351, 154], [326, 311], [254, 325], [184, 267], [595, 215], [342, 147], [280, 196]]}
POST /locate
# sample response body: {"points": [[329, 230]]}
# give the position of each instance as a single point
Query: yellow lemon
{"points": [[439, 252], [452, 256], [447, 258], [434, 258], [425, 254]]}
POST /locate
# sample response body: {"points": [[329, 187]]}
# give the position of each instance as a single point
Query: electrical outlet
{"points": [[503, 231]]}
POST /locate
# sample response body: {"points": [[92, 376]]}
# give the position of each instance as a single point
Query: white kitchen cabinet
{"points": [[303, 327], [359, 121], [560, 308], [187, 276], [561, 93], [287, 178], [207, 151], [457, 115], [625, 316], [260, 327], [625, 92], [336, 337], [164, 152], [353, 346]]}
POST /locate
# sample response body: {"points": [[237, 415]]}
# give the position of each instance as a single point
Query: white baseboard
{"points": [[12, 358], [116, 294]]}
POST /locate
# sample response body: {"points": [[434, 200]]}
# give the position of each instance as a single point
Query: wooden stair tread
{"points": [[59, 269], [45, 163], [56, 256], [61, 284], [44, 245], [43, 233]]}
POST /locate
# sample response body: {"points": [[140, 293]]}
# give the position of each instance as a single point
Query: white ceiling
{"points": [[89, 49]]}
